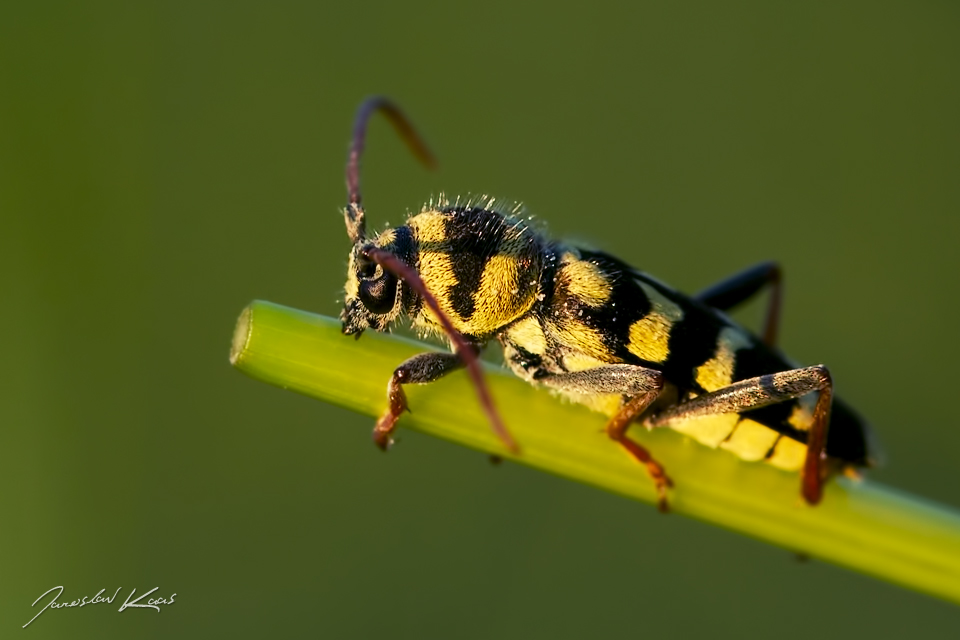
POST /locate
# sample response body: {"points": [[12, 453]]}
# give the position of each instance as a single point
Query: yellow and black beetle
{"points": [[588, 326]]}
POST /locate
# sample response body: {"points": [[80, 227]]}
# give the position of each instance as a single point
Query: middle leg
{"points": [[640, 387]]}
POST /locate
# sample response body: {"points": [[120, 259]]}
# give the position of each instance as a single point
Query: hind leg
{"points": [[764, 391], [743, 286]]}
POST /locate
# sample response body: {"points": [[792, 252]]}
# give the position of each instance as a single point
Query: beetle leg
{"points": [[764, 391], [640, 387], [420, 369], [744, 285]]}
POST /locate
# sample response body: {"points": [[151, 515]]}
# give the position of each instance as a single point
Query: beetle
{"points": [[586, 325]]}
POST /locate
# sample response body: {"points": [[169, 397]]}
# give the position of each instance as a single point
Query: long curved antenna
{"points": [[396, 266], [356, 225]]}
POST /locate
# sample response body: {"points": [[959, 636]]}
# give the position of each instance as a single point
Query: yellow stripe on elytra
{"points": [[588, 341], [650, 336], [717, 372], [586, 281]]}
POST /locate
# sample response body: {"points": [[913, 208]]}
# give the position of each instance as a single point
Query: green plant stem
{"points": [[860, 525]]}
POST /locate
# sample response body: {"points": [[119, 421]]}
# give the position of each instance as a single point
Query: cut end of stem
{"points": [[241, 335]]}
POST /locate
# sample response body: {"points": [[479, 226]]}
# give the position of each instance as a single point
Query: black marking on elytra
{"points": [[693, 341], [627, 304], [548, 283], [473, 236]]}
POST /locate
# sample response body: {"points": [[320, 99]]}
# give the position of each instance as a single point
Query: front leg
{"points": [[420, 369], [640, 387]]}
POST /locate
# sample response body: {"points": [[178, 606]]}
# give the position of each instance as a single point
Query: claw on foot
{"points": [[381, 432]]}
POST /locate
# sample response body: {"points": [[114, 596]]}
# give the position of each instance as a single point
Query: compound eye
{"points": [[379, 294], [366, 268]]}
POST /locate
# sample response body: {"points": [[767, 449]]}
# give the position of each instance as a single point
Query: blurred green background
{"points": [[162, 164]]}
